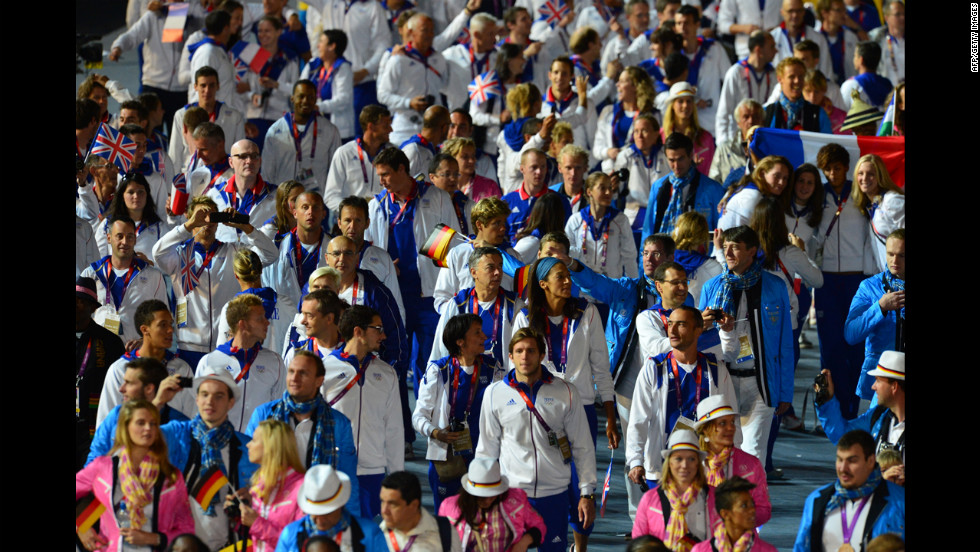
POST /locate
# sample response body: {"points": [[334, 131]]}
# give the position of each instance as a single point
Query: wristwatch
{"points": [[590, 496]]}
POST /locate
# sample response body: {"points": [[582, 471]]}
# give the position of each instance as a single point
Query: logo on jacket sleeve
{"points": [[510, 402]]}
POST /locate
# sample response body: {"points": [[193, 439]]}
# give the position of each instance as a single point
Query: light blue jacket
{"points": [[777, 335], [706, 199], [886, 514], [105, 435], [180, 436], [374, 539], [866, 322]]}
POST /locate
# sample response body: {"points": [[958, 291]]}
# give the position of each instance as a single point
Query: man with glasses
{"points": [[245, 192], [364, 388]]}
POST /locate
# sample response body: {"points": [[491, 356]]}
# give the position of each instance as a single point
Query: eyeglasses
{"points": [[247, 156], [448, 175], [343, 253], [379, 328]]}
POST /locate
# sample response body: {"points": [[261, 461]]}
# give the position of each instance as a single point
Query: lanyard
{"points": [[496, 315], [891, 51], [248, 363], [758, 80], [353, 294], [315, 254], [677, 380], [795, 281], [564, 344], [848, 531], [394, 542], [322, 79], [603, 229], [206, 263], [353, 381], [476, 67], [840, 207], [454, 387], [360, 157], [411, 52], [313, 346], [401, 212], [110, 278], [298, 138], [530, 406]]}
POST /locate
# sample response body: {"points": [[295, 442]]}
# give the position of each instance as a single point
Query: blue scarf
{"points": [[212, 441], [514, 133], [324, 451], [311, 531], [842, 495], [704, 44], [422, 142], [792, 109], [675, 207], [725, 298], [690, 260]]}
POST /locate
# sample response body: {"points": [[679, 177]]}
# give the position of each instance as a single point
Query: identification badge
{"points": [[564, 447], [846, 547], [304, 174], [112, 320], [182, 312], [744, 349], [465, 442]]}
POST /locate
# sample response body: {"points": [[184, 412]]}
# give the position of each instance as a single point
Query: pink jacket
{"points": [[758, 545], [518, 514], [650, 515], [748, 467], [174, 516], [283, 510], [483, 187]]}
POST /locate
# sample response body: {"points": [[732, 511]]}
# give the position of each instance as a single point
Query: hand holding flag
{"points": [[484, 86], [114, 147]]}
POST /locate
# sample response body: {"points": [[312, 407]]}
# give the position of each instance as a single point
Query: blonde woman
{"points": [[523, 103], [691, 236], [635, 95], [145, 499], [272, 495], [682, 116], [881, 201], [248, 274]]}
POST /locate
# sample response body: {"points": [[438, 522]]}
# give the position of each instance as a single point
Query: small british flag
{"points": [[606, 486], [552, 11], [241, 69], [483, 87], [464, 37], [114, 147]]}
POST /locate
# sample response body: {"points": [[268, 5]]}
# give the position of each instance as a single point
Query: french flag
{"points": [[802, 147], [251, 54]]}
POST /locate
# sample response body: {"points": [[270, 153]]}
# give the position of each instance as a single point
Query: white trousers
{"points": [[756, 417]]}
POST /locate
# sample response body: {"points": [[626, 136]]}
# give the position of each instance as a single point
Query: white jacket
{"points": [[279, 162], [434, 206], [366, 27], [278, 100], [351, 174], [217, 58], [604, 137], [283, 277], [228, 118], [462, 72], [378, 262], [216, 284], [508, 312], [145, 240], [374, 409], [261, 212], [511, 433], [797, 264], [340, 107], [111, 397], [889, 216], [714, 66], [784, 48], [86, 248], [845, 247], [587, 355], [747, 12], [619, 248], [266, 382], [404, 78], [641, 177], [160, 59], [149, 283], [645, 436], [740, 83]]}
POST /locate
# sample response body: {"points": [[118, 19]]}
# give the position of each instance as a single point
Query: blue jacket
{"points": [[373, 540], [180, 440], [626, 297], [105, 435], [886, 514], [343, 439], [835, 426], [777, 335], [706, 199], [395, 350], [865, 322]]}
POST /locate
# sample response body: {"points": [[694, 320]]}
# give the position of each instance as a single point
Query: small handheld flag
{"points": [[208, 485], [552, 11], [239, 546], [484, 86], [179, 195], [173, 27], [250, 54], [87, 512], [436, 246], [114, 147], [521, 278], [606, 485], [887, 127]]}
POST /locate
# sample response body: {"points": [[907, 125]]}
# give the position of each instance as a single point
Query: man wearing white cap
{"points": [[209, 442], [670, 385], [322, 497], [534, 423], [885, 421]]}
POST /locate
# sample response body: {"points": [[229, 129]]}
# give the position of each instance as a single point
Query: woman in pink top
{"points": [[470, 183], [144, 496], [682, 116], [491, 516], [274, 484], [716, 430]]}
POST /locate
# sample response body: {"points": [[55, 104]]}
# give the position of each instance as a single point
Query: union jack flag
{"points": [[484, 86], [464, 37], [114, 147], [552, 11], [241, 69], [606, 486], [178, 195]]}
